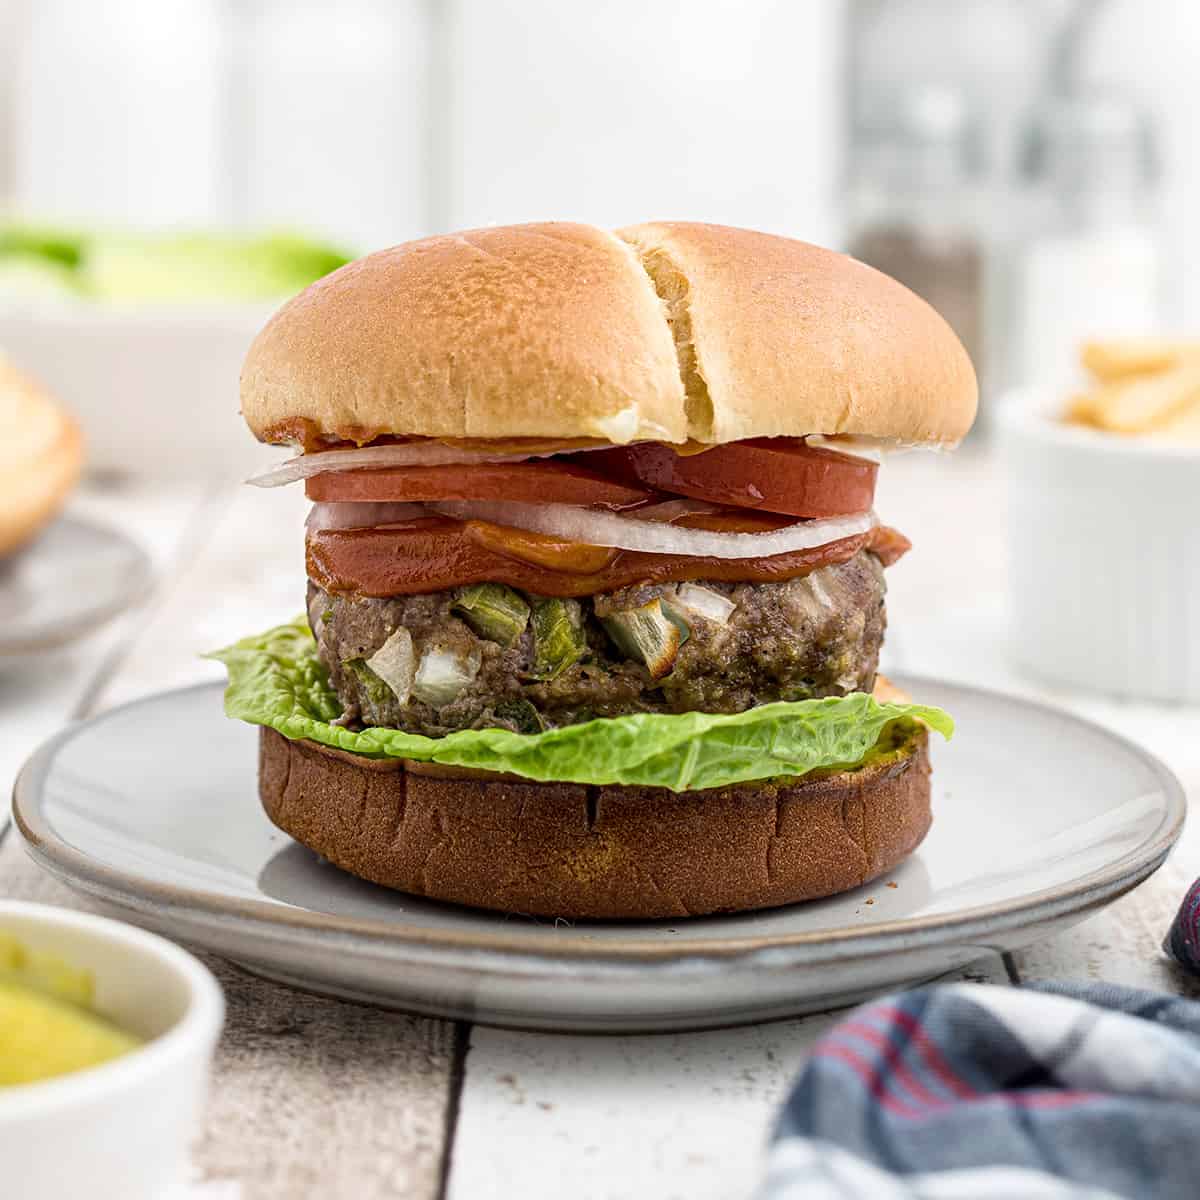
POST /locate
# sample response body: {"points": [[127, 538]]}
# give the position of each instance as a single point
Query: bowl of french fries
{"points": [[1146, 388], [1104, 522]]}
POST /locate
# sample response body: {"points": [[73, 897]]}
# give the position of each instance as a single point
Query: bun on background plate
{"points": [[41, 456]]}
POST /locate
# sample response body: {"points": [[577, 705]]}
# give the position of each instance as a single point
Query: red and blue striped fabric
{"points": [[971, 1092]]}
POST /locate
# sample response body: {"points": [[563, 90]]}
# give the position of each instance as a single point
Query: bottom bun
{"points": [[570, 850]]}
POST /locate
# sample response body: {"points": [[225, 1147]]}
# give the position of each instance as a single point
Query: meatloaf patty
{"points": [[815, 636]]}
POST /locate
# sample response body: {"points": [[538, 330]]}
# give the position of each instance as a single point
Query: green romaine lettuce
{"points": [[276, 679]]}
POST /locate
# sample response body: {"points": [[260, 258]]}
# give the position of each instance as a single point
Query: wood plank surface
{"points": [[605, 1118]]}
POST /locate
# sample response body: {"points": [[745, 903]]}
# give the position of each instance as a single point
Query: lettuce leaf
{"points": [[276, 679]]}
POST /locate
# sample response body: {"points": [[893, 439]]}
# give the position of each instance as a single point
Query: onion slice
{"points": [[595, 528], [339, 514], [406, 454]]}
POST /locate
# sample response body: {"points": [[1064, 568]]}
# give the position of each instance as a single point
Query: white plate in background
{"points": [[1040, 819], [154, 387], [71, 579]]}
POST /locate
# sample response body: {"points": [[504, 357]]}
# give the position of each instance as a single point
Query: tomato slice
{"points": [[529, 482], [782, 475], [435, 554]]}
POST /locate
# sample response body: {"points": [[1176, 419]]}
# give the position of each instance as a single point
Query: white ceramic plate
{"points": [[65, 584], [1041, 818]]}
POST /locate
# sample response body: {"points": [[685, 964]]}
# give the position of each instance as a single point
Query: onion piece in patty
{"points": [[704, 601]]}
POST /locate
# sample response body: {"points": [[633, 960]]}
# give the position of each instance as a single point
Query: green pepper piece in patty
{"points": [[494, 611], [558, 640], [376, 688], [524, 717]]}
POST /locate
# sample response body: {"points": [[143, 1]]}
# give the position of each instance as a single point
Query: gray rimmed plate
{"points": [[1041, 818], [69, 581]]}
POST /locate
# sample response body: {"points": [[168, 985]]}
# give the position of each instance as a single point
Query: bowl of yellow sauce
{"points": [[106, 1041], [48, 1025]]}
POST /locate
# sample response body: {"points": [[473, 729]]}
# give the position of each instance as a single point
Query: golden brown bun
{"points": [[527, 330], [663, 331], [41, 455], [569, 850], [790, 339]]}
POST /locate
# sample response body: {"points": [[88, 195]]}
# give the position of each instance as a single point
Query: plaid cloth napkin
{"points": [[971, 1092]]}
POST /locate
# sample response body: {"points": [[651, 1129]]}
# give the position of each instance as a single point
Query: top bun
{"points": [[41, 456], [666, 331]]}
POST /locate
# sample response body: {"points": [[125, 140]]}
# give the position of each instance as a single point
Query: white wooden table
{"points": [[316, 1098]]}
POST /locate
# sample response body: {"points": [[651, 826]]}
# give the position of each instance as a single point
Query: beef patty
{"points": [[741, 645]]}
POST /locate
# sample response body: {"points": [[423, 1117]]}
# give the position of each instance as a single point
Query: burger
{"points": [[595, 583], [41, 456]]}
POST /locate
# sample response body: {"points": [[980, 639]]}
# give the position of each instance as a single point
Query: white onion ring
{"points": [[595, 528], [435, 454], [408, 454], [346, 514]]}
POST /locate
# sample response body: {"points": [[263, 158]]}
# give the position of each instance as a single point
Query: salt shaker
{"points": [[914, 211]]}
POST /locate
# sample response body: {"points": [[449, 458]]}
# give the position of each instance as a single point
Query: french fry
{"points": [[1147, 403], [1084, 407], [1183, 429], [1121, 358]]}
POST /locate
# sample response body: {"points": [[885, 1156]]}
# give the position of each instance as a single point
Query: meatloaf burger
{"points": [[596, 588]]}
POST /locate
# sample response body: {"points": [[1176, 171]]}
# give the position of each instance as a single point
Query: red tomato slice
{"points": [[781, 475], [529, 482]]}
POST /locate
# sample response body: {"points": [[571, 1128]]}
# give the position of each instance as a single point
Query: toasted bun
{"points": [[666, 332], [41, 454], [566, 850]]}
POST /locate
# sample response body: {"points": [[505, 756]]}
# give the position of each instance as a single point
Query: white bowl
{"points": [[155, 388], [120, 1131], [1104, 541]]}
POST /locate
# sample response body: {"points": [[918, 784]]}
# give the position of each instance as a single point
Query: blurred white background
{"points": [[374, 121], [928, 137]]}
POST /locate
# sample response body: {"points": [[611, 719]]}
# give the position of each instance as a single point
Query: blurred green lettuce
{"points": [[127, 267]]}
